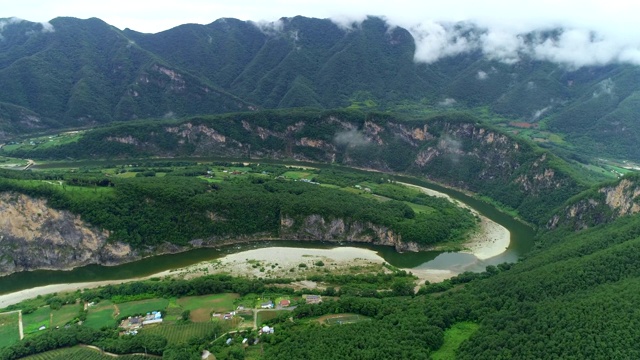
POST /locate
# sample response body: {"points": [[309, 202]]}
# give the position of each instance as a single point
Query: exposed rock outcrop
{"points": [[35, 236], [601, 206], [317, 228]]}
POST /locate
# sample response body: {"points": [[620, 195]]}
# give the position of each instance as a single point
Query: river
{"points": [[521, 242]]}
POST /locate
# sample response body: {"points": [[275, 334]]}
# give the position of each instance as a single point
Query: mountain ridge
{"points": [[87, 72]]}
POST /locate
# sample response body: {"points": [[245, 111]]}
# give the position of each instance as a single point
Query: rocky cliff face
{"points": [[600, 206], [452, 149], [35, 236], [317, 228]]}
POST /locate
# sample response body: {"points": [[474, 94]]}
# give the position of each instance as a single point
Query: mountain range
{"points": [[71, 73]]}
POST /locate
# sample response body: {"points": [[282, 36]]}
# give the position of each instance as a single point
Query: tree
{"points": [[186, 315]]}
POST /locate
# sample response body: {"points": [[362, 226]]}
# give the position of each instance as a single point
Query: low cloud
{"points": [[41, 27], [605, 87], [351, 138], [435, 40], [6, 22], [481, 75], [568, 45], [270, 28], [451, 148], [538, 113], [447, 102]]}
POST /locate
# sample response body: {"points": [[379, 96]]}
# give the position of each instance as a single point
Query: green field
{"points": [[32, 322], [268, 315], [100, 315], [181, 333], [9, 329], [142, 307], [453, 337], [79, 353], [64, 315], [201, 307], [341, 319], [297, 175]]}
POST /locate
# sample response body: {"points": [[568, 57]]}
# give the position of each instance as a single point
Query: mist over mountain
{"points": [[70, 72]]}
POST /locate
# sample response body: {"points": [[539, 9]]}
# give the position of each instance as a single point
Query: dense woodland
{"points": [[123, 75], [147, 211], [572, 298], [509, 171]]}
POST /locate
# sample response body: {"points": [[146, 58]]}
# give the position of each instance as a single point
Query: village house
{"points": [[285, 303], [152, 318], [313, 299], [266, 330], [267, 305]]}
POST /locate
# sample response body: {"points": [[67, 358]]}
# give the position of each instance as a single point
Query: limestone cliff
{"points": [[600, 206], [453, 149], [35, 236], [317, 228]]}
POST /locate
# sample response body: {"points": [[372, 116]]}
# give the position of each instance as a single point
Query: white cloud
{"points": [[481, 75], [4, 23], [576, 48], [435, 41], [270, 27], [447, 102], [605, 87], [538, 113], [502, 45], [433, 23]]}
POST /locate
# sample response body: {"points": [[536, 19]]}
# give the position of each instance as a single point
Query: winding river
{"points": [[521, 242]]}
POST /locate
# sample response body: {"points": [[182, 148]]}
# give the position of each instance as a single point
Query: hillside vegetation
{"points": [[444, 148], [175, 207], [86, 73]]}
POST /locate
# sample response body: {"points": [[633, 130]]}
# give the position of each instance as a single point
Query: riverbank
{"points": [[489, 240]]}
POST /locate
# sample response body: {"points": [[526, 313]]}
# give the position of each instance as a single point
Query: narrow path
{"points": [[20, 328], [30, 163], [255, 319], [116, 355]]}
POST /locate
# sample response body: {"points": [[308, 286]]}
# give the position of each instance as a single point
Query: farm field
{"points": [[100, 315], [181, 333], [32, 322], [341, 319], [64, 315], [202, 306], [141, 307], [8, 329], [79, 353], [268, 315], [297, 175], [453, 337]]}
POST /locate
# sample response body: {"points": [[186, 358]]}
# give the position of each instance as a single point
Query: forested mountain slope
{"points": [[600, 205], [62, 219], [84, 72], [442, 148]]}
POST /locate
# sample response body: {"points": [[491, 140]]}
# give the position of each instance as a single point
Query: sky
{"points": [[597, 31]]}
